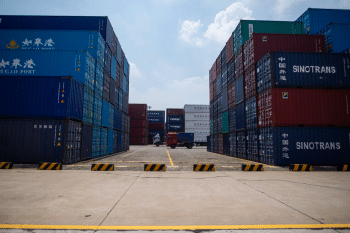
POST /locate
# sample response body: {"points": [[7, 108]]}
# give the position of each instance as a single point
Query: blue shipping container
{"points": [[185, 137], [241, 144], [86, 142], [175, 126], [86, 23], [232, 119], [314, 70], [34, 141], [114, 68], [105, 113], [104, 141], [90, 41], [126, 67], [337, 37], [252, 145], [226, 143], [120, 99], [314, 20], [78, 64], [175, 119], [96, 142], [110, 141], [209, 143], [156, 119], [239, 90], [233, 144], [309, 145], [250, 113], [41, 97], [156, 114], [218, 84], [118, 116], [97, 114], [115, 144], [224, 99], [240, 117]]}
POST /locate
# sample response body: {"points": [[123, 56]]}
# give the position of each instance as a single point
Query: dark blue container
{"points": [[241, 144], [226, 143], [232, 119], [87, 23], [223, 56], [125, 84], [175, 127], [115, 144], [34, 141], [308, 145], [78, 64], [239, 90], [86, 142], [224, 77], [337, 37], [108, 60], [220, 103], [99, 78], [231, 71], [218, 84], [104, 141], [224, 99], [185, 137], [96, 142], [156, 114], [315, 20], [219, 123], [126, 67], [209, 143], [41, 97], [175, 119], [105, 113], [117, 119], [113, 68], [119, 53], [233, 144], [113, 93], [120, 99], [97, 114], [314, 70], [156, 119], [119, 144], [110, 141], [250, 113], [240, 117], [126, 103], [91, 41], [346, 51], [252, 145]]}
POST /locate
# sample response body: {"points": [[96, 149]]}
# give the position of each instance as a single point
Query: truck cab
{"points": [[156, 140]]}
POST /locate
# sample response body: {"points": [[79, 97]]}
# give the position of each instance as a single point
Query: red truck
{"points": [[180, 139]]}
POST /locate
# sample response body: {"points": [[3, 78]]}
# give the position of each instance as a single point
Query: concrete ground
{"points": [[228, 198]]}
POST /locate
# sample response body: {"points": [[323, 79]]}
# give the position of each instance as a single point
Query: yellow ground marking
{"points": [[190, 227], [171, 162]]}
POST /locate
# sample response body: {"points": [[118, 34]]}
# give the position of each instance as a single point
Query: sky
{"points": [[171, 44]]}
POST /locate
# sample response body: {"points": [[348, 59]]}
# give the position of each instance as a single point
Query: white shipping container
{"points": [[197, 117], [200, 138], [197, 124], [199, 132], [198, 108]]}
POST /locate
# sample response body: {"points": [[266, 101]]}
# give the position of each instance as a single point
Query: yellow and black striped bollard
{"points": [[50, 166], [203, 167], [300, 168], [155, 167], [252, 167], [343, 168], [102, 167], [6, 165]]}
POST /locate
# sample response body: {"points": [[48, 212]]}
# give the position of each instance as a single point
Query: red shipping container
{"points": [[138, 111], [218, 65], [231, 95], [211, 92], [239, 60], [135, 123], [214, 89], [175, 111], [214, 72], [159, 126], [259, 44], [304, 107], [220, 144], [229, 49], [138, 140], [250, 82], [138, 132]]}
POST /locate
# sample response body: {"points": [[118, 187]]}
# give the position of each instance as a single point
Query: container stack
{"points": [[175, 120], [64, 97], [287, 101], [156, 125], [197, 122], [138, 124]]}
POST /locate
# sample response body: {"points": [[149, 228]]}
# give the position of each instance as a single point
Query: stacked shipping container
{"points": [[156, 120], [197, 122], [72, 84], [275, 114], [138, 124], [175, 120]]}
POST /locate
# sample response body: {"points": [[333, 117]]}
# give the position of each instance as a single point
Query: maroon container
{"points": [[138, 132], [159, 126], [211, 92], [138, 111], [229, 49], [175, 111], [239, 60], [138, 140], [259, 44], [218, 65], [304, 107], [135, 123], [231, 95], [249, 82], [220, 144], [214, 72], [214, 89]]}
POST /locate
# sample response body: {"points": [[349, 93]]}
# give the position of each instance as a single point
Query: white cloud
{"points": [[176, 94], [282, 6], [188, 29], [134, 71], [226, 21]]}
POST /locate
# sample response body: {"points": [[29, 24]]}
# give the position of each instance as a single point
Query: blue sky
{"points": [[171, 44]]}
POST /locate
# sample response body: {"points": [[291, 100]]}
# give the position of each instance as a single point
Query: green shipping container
{"points": [[245, 28], [211, 127], [225, 127]]}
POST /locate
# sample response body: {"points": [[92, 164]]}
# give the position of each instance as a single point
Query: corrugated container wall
{"points": [[337, 37]]}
